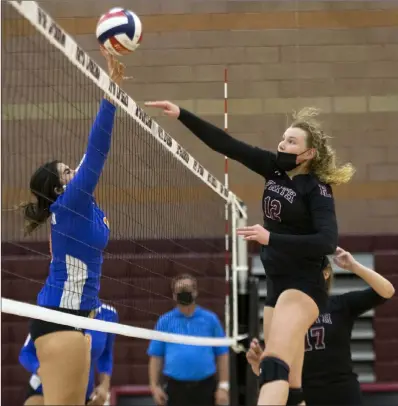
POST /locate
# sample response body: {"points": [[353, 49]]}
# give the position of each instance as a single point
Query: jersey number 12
{"points": [[272, 208]]}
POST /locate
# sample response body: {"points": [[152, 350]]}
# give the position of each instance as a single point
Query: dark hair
{"points": [[181, 278], [43, 185]]}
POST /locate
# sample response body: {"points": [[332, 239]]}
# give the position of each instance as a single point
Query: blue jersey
{"points": [[101, 353], [79, 228]]}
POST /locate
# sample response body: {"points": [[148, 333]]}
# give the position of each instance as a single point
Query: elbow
{"points": [[328, 245], [390, 291]]}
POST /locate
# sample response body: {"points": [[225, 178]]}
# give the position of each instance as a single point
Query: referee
{"points": [[193, 375]]}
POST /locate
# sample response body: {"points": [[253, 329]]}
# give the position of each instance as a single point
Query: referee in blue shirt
{"points": [[192, 375]]}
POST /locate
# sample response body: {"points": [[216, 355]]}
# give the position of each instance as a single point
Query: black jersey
{"points": [[298, 212], [327, 359]]}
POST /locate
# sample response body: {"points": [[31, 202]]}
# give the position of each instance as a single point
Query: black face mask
{"points": [[286, 161], [185, 298]]}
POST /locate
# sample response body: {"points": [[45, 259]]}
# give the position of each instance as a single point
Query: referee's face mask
{"points": [[184, 292]]}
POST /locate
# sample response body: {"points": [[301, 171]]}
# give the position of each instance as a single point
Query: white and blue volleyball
{"points": [[119, 31]]}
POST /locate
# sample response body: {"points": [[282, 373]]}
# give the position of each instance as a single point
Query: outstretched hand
{"points": [[115, 68], [169, 109]]}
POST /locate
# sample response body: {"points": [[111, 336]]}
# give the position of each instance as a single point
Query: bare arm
{"points": [[223, 368], [378, 283], [155, 370]]}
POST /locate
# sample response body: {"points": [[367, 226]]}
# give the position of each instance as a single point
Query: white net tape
{"points": [[53, 316], [62, 41]]}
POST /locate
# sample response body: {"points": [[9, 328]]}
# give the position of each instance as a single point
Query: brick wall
{"points": [[341, 56]]}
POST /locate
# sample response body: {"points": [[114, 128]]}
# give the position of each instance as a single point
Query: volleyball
{"points": [[119, 31]]}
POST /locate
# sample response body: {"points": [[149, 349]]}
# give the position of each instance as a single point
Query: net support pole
{"points": [[235, 325], [243, 267], [226, 184]]}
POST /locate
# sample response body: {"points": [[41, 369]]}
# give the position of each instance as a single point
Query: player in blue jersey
{"points": [[79, 234], [101, 361]]}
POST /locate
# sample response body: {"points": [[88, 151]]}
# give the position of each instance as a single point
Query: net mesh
{"points": [[163, 219]]}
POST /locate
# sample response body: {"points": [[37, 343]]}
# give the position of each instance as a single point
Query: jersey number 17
{"points": [[315, 339]]}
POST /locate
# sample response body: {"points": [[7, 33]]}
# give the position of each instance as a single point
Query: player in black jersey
{"points": [[328, 376], [299, 229]]}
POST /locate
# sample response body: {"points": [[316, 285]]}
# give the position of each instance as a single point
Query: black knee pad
{"points": [[273, 369], [296, 396]]}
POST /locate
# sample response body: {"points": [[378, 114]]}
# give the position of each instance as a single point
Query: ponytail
{"points": [[43, 185], [34, 216]]}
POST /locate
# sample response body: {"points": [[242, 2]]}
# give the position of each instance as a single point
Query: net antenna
{"points": [[227, 209], [61, 40]]}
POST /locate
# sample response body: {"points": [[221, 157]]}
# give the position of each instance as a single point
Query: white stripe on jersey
{"points": [[34, 382], [108, 307], [27, 340], [74, 285]]}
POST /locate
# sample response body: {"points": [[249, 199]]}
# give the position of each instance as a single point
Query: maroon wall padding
{"points": [[136, 283], [140, 289], [386, 321]]}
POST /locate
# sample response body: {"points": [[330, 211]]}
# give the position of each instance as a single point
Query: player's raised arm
{"points": [[99, 142], [358, 302], [254, 158]]}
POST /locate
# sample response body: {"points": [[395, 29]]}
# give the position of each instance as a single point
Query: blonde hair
{"points": [[329, 281], [323, 165]]}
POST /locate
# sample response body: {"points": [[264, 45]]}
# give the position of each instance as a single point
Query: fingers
{"points": [[255, 346], [255, 350], [248, 229], [105, 53], [248, 234], [255, 227], [339, 251], [158, 104], [121, 69]]}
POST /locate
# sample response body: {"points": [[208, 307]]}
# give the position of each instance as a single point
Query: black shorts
{"points": [[316, 290], [192, 393], [39, 328]]}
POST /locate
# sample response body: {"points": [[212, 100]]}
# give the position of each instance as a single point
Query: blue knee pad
{"points": [[296, 396], [273, 369]]}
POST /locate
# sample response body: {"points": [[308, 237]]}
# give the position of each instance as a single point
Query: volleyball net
{"points": [[166, 212]]}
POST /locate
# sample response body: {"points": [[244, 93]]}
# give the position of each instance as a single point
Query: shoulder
{"points": [[166, 317], [57, 205], [315, 186], [336, 303], [109, 313], [208, 314]]}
